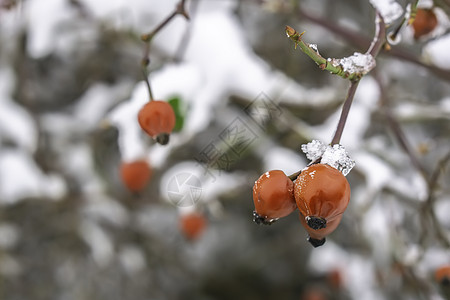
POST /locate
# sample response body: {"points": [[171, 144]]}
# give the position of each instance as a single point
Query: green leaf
{"points": [[179, 108]]}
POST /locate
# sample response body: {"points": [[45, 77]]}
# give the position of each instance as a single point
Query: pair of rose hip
{"points": [[320, 192]]}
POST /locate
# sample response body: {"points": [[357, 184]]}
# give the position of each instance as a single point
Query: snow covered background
{"points": [[70, 89]]}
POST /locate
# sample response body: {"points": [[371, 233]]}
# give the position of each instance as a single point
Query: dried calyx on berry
{"points": [[316, 242], [316, 222], [262, 220]]}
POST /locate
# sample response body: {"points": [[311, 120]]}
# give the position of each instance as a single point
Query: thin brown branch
{"points": [[180, 9], [379, 37], [344, 113], [377, 42]]}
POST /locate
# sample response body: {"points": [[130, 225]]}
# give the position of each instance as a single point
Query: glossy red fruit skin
{"points": [[156, 118], [322, 194], [424, 22], [273, 196], [192, 225], [135, 175], [321, 191]]}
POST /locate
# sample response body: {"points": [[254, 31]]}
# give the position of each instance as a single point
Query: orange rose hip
{"points": [[273, 197], [424, 22], [192, 225], [135, 175], [442, 275], [322, 194], [157, 119]]}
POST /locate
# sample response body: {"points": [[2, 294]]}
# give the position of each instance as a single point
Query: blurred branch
{"points": [[179, 10], [403, 141], [428, 205], [426, 210]]}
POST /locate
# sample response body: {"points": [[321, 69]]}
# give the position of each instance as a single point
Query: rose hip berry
{"points": [[424, 22], [157, 119], [442, 275], [136, 174], [273, 196], [192, 225], [322, 194]]}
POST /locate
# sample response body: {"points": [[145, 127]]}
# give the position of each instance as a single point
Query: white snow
{"points": [[335, 156], [436, 52], [20, 178], [44, 31], [105, 210], [357, 63], [132, 259], [91, 108], [314, 149], [390, 10], [99, 241], [16, 123]]}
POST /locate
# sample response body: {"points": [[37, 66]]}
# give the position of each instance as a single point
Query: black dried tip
{"points": [[260, 220], [316, 243], [445, 281], [316, 222], [162, 138]]}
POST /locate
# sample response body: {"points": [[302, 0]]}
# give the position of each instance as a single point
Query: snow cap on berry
{"points": [[335, 156]]}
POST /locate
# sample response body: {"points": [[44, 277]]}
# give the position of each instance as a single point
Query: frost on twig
{"points": [[358, 63], [335, 156], [390, 10]]}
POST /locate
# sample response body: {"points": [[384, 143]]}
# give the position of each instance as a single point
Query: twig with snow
{"points": [[378, 41], [352, 67]]}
